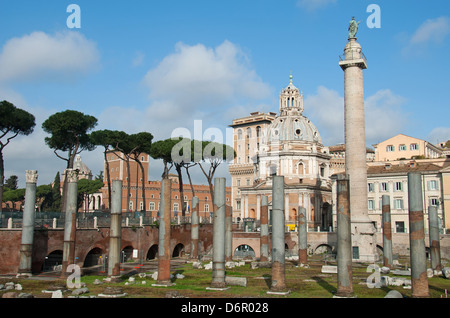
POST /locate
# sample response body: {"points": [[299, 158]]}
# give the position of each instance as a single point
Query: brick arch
{"points": [[330, 247], [252, 242]]}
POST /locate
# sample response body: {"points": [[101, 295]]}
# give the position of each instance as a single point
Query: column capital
{"points": [[31, 176]]}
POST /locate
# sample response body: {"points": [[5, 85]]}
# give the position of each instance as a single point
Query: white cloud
{"points": [[42, 56], [439, 134], [192, 83], [384, 115], [312, 5], [326, 111], [432, 31], [195, 77]]}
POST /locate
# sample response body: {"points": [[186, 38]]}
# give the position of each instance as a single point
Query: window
{"points": [[238, 182], [258, 131], [141, 206], [176, 197], [398, 204], [400, 227], [175, 207], [433, 185], [398, 186], [402, 148], [152, 206], [434, 201], [414, 147], [371, 205], [384, 186], [249, 132], [206, 207], [248, 182], [239, 134], [238, 204], [390, 148], [370, 187]]}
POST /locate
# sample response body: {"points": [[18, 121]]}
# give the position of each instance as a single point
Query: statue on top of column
{"points": [[353, 28]]}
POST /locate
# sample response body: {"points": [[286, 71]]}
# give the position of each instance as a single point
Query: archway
{"points": [[178, 250], [327, 217], [52, 261], [152, 252], [126, 254], [93, 257], [244, 251], [323, 249]]}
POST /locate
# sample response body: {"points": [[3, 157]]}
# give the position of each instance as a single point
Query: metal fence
{"points": [[54, 220]]}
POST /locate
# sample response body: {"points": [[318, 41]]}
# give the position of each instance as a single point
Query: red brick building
{"points": [[118, 169]]}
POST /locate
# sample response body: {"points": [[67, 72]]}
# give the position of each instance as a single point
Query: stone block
{"points": [[446, 272], [329, 269], [236, 281]]}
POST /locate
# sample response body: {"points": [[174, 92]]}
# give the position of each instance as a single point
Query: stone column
{"points": [[278, 232], [26, 248], [115, 229], [194, 230], [344, 239], [387, 231], [70, 224], [435, 246], [264, 241], [164, 234], [228, 233], [353, 65], [218, 270], [302, 236], [419, 279]]}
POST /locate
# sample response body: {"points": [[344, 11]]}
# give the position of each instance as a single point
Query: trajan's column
{"points": [[363, 231]]}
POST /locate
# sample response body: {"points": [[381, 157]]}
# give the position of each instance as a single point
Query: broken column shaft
{"points": [[344, 239], [302, 236], [435, 246], [264, 241], [164, 233], [218, 270], [194, 229], [278, 241], [115, 229], [70, 224], [26, 248], [387, 231], [419, 279]]}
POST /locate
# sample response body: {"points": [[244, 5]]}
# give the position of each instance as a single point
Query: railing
{"points": [[361, 56], [56, 220]]}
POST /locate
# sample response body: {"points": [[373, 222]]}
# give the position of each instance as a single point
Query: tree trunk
{"points": [[142, 182], [2, 179], [181, 188], [108, 180]]}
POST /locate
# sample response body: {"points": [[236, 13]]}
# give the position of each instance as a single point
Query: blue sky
{"points": [[157, 65]]}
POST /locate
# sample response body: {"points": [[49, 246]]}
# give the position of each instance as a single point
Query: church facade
{"points": [[286, 144]]}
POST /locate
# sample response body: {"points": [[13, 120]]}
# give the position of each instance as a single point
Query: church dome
{"points": [[293, 128], [291, 125]]}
